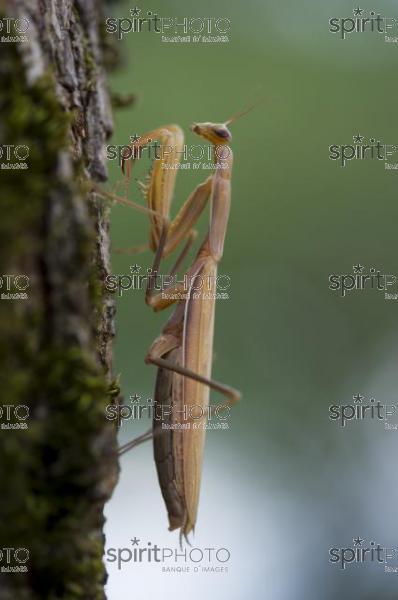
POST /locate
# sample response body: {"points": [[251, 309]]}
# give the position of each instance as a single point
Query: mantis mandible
{"points": [[184, 349]]}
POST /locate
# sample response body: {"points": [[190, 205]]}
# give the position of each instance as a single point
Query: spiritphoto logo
{"points": [[13, 30], [185, 417], [361, 281], [14, 156], [190, 156], [363, 21], [181, 29], [171, 560], [360, 150], [14, 560], [170, 287], [14, 416], [13, 287], [364, 409], [362, 553]]}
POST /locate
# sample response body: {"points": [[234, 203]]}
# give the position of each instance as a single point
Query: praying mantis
{"points": [[183, 351]]}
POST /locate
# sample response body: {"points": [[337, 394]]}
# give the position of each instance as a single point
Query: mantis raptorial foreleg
{"points": [[157, 300], [160, 187], [181, 226], [126, 202]]}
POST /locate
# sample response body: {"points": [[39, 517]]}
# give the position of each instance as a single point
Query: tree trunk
{"points": [[55, 352]]}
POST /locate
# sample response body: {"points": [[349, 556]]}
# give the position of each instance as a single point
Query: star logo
{"points": [[358, 138], [134, 12], [135, 541], [134, 138], [358, 11], [358, 541], [358, 398], [358, 269], [135, 268], [135, 397]]}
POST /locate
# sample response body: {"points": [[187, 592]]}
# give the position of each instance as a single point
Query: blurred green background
{"points": [[284, 483]]}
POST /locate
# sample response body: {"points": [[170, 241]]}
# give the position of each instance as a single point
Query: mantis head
{"points": [[216, 133]]}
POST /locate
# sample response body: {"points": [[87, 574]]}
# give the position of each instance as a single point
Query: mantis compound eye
{"points": [[223, 133]]}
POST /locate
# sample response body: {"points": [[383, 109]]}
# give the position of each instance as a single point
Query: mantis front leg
{"points": [[157, 300], [159, 189]]}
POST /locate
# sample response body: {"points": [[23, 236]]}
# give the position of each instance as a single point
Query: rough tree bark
{"points": [[55, 349]]}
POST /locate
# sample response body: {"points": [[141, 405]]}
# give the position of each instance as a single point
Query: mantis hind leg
{"points": [[165, 345], [155, 357], [145, 437]]}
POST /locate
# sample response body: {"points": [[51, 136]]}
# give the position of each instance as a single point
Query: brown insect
{"points": [[183, 351]]}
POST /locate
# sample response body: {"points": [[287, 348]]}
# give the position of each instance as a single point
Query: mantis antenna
{"points": [[243, 112]]}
